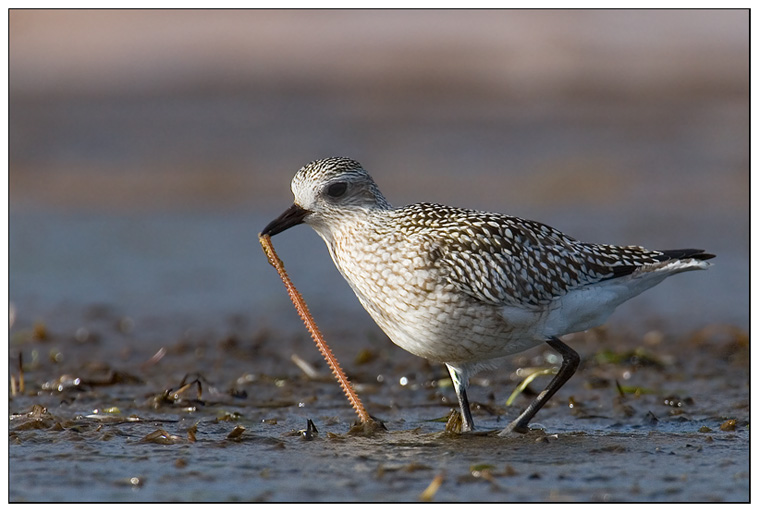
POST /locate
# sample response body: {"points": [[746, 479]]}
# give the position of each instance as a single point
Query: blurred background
{"points": [[148, 149]]}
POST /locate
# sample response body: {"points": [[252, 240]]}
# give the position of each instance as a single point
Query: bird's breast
{"points": [[419, 309]]}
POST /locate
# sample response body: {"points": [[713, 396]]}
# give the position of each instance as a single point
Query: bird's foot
{"points": [[455, 424], [514, 429]]}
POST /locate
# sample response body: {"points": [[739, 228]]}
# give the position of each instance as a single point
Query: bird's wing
{"points": [[505, 260]]}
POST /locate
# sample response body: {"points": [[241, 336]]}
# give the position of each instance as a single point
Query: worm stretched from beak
{"points": [[308, 320]]}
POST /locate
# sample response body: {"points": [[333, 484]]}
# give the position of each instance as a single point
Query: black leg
{"points": [[570, 361], [460, 387]]}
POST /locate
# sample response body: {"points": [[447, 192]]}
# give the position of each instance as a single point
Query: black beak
{"points": [[291, 217]]}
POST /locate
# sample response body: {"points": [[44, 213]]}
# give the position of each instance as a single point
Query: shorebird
{"points": [[467, 288]]}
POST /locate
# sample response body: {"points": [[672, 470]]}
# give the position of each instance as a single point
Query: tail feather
{"points": [[666, 255], [680, 254]]}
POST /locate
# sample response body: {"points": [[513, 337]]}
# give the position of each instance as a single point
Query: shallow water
{"points": [[85, 428], [260, 467]]}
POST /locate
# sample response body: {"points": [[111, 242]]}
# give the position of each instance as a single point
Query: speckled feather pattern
{"points": [[458, 285], [506, 260]]}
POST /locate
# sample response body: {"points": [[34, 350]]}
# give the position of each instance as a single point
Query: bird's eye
{"points": [[337, 189]]}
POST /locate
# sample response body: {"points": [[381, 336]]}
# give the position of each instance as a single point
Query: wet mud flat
{"points": [[116, 412]]}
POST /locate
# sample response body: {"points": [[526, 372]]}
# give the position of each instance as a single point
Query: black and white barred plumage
{"points": [[507, 260]]}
